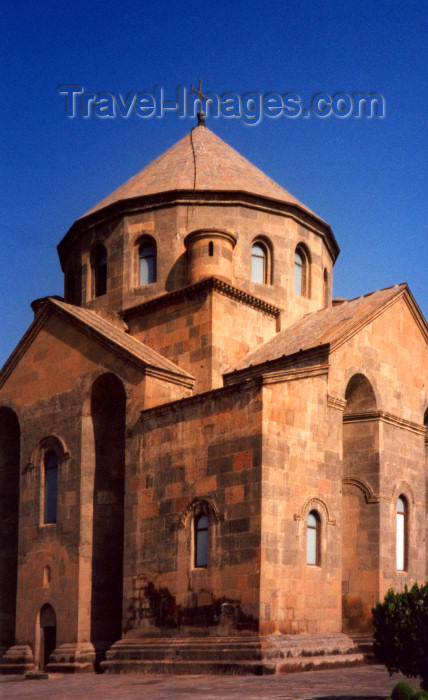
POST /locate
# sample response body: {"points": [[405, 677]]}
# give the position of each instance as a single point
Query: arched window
{"points": [[99, 268], [147, 262], [51, 486], [401, 548], [301, 272], [313, 527], [260, 263], [201, 541]]}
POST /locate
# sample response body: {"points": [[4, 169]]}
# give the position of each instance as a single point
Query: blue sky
{"points": [[366, 177]]}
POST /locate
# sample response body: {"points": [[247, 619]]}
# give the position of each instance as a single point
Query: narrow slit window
{"points": [[210, 249], [326, 289], [51, 487], [401, 533], [147, 258], [201, 541], [313, 539]]}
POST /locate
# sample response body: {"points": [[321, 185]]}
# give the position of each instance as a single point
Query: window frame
{"points": [[50, 496], [315, 561], [147, 241], [401, 533], [304, 267], [197, 532], [267, 257]]}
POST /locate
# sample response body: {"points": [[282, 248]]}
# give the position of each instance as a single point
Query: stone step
{"points": [[186, 654], [319, 663], [232, 655], [67, 667], [198, 667], [188, 667]]}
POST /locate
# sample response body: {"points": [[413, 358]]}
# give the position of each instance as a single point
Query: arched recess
{"points": [[9, 517], [359, 395], [108, 407], [45, 635], [360, 506]]}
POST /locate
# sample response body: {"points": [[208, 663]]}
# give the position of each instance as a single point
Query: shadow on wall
{"points": [[108, 406], [177, 275], [157, 607]]}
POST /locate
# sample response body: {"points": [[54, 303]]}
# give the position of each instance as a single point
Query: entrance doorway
{"points": [[47, 634]]}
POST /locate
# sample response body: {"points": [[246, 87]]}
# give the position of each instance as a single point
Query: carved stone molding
{"points": [[369, 494], [199, 504], [317, 503]]}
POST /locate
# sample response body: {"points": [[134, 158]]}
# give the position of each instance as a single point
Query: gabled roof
{"points": [[331, 326], [200, 161], [103, 332]]}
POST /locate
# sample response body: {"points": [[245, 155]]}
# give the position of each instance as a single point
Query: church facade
{"points": [[198, 445]]}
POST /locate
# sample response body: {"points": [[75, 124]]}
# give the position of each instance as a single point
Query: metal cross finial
{"points": [[200, 94]]}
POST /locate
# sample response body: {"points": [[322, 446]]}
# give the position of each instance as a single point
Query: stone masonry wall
{"points": [[393, 440], [301, 472], [200, 454]]}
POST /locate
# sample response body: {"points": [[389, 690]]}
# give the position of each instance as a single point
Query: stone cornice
{"points": [[171, 407], [336, 402], [288, 375], [311, 362], [244, 383], [209, 284], [385, 417]]}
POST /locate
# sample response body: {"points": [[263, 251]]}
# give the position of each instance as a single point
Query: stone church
{"points": [[207, 463]]}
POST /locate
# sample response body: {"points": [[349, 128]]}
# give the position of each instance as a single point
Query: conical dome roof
{"points": [[200, 161]]}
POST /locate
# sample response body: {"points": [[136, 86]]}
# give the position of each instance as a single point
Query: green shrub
{"points": [[401, 632], [402, 691], [420, 695]]}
